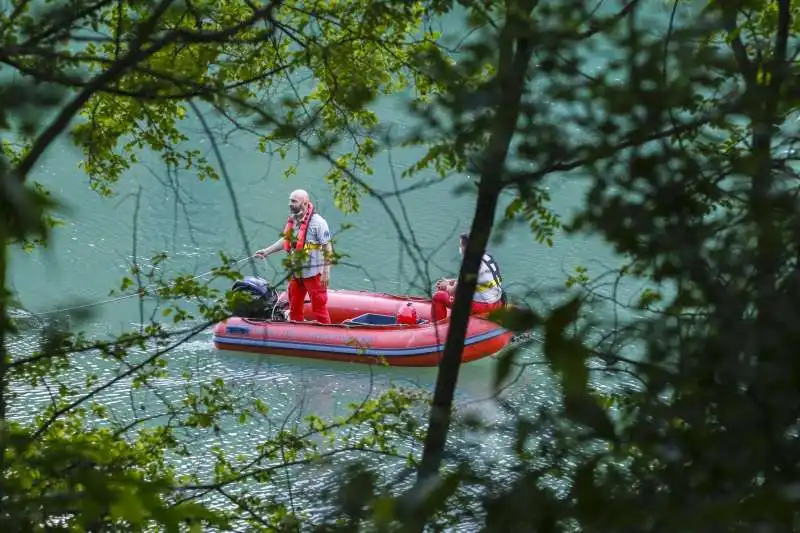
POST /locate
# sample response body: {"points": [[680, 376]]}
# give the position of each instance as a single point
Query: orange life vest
{"points": [[301, 235]]}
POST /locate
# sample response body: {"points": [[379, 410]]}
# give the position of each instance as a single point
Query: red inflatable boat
{"points": [[364, 329]]}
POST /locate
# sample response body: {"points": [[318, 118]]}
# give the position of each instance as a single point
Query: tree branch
{"points": [[137, 53], [60, 122], [132, 370], [630, 141]]}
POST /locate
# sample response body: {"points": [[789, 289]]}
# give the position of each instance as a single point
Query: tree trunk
{"points": [[769, 259], [515, 50], [4, 326]]}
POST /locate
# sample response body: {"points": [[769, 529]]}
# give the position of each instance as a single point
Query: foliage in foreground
{"points": [[700, 203], [686, 138], [119, 78]]}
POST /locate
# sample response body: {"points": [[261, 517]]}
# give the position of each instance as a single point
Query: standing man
{"points": [[489, 293], [307, 234]]}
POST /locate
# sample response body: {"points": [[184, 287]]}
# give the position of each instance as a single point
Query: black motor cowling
{"points": [[262, 302]]}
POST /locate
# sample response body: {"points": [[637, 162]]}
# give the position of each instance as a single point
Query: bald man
{"points": [[306, 231]]}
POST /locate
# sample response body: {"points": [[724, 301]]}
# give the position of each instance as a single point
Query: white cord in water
{"points": [[141, 291]]}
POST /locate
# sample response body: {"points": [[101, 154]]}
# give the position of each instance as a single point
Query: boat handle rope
{"points": [[140, 292]]}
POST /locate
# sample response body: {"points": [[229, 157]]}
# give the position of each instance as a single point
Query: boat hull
{"points": [[344, 304], [370, 343]]}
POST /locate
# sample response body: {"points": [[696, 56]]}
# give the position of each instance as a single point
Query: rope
{"points": [[526, 336], [140, 292]]}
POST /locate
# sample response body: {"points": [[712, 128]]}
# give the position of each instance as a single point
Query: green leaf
{"points": [[128, 507], [504, 363], [584, 409], [584, 491], [566, 356], [515, 318], [523, 431], [562, 317], [384, 511]]}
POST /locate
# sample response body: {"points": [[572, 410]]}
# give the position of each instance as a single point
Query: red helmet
{"points": [[407, 314]]}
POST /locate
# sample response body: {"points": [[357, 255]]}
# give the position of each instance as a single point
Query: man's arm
{"points": [[327, 253], [271, 249], [322, 235]]}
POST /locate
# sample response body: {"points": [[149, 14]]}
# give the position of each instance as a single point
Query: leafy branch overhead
{"points": [[687, 141], [704, 426], [130, 67], [118, 76]]}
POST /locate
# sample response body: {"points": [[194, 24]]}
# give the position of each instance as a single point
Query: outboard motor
{"points": [[263, 301]]}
